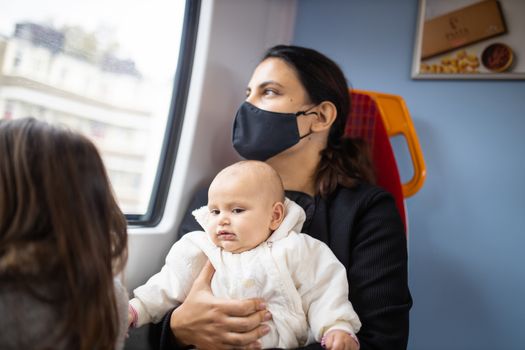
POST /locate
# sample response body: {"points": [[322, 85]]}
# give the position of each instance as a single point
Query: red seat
{"points": [[367, 121]]}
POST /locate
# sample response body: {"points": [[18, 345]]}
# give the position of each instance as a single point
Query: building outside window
{"points": [[104, 68]]}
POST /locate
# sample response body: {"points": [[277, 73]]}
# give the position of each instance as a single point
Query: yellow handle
{"points": [[397, 121]]}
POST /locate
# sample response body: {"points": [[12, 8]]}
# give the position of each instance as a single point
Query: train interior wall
{"points": [[467, 224]]}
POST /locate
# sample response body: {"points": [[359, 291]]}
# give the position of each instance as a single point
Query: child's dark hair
{"points": [[60, 226], [344, 161]]}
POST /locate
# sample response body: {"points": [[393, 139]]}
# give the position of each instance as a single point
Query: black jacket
{"points": [[364, 230]]}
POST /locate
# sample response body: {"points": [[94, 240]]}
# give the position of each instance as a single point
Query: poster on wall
{"points": [[470, 39]]}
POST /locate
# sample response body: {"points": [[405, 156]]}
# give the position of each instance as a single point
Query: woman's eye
{"points": [[270, 92], [237, 210]]}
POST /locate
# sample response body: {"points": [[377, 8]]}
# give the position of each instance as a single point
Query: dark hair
{"points": [[345, 161], [61, 227]]}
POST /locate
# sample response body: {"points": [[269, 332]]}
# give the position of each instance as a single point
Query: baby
{"points": [[252, 240]]}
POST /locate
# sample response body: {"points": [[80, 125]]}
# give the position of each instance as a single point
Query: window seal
{"points": [[166, 165]]}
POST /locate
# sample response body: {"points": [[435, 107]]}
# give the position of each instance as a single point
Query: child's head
{"points": [[60, 223], [246, 203]]}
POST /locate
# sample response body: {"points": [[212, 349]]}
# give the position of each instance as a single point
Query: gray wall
{"points": [[467, 224]]}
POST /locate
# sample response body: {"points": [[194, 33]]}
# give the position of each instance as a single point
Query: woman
{"points": [[62, 241], [294, 116]]}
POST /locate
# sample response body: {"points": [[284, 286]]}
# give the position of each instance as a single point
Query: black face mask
{"points": [[260, 134]]}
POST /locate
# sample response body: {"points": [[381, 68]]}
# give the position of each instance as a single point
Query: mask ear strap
{"points": [[304, 113], [307, 134]]}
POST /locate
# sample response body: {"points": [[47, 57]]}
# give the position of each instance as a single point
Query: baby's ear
{"points": [[202, 215], [277, 215]]}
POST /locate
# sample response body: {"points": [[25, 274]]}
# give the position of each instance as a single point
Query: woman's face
{"points": [[275, 87]]}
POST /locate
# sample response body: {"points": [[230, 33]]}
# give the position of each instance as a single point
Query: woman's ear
{"points": [[277, 216], [327, 112]]}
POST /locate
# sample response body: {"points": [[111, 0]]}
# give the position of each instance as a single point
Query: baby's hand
{"points": [[132, 316], [339, 340]]}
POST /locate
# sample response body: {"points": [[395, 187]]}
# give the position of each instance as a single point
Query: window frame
{"points": [[172, 134]]}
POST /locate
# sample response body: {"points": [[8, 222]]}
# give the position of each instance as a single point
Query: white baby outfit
{"points": [[301, 281]]}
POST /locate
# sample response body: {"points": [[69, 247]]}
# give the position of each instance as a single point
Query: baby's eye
{"points": [[215, 212], [237, 210]]}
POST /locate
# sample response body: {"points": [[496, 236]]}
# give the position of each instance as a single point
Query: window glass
{"points": [[103, 67]]}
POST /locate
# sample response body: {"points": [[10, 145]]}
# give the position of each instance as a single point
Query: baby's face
{"points": [[240, 213]]}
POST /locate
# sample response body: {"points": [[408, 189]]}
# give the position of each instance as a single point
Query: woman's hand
{"points": [[208, 322], [339, 340]]}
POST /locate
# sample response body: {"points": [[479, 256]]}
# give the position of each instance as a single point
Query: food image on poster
{"points": [[470, 39]]}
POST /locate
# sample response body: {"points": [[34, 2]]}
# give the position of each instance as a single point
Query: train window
{"points": [[115, 70]]}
